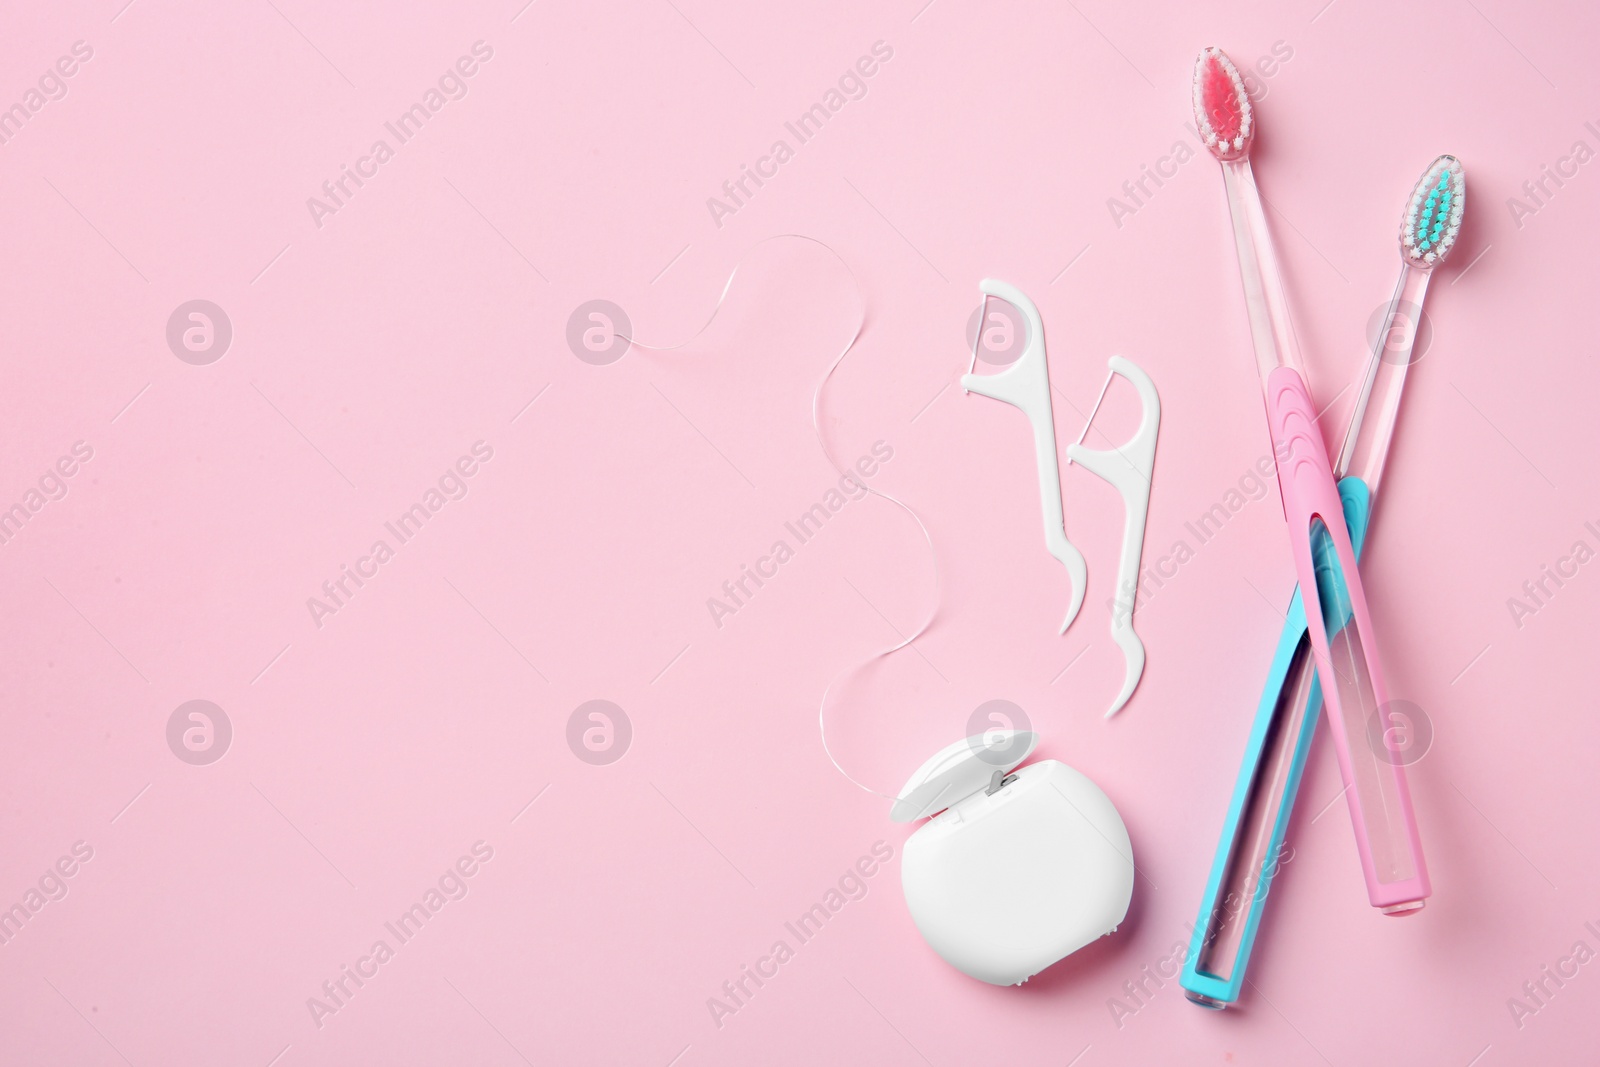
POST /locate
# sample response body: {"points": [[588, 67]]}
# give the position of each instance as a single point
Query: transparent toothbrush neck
{"points": [[1394, 349], [1271, 328]]}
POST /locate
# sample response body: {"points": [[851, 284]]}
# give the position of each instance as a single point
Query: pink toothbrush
{"points": [[1341, 631]]}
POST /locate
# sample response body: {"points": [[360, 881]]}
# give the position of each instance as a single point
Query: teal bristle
{"points": [[1433, 215]]}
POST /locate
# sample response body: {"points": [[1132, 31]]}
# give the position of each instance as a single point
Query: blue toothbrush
{"points": [[1247, 856]]}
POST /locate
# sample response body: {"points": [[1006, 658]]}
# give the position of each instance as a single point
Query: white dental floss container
{"points": [[1016, 867]]}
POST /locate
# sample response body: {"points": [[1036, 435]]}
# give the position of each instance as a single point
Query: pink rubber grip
{"points": [[1375, 780]]}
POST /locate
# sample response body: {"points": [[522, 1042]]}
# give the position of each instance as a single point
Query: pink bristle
{"points": [[1221, 107], [1221, 102]]}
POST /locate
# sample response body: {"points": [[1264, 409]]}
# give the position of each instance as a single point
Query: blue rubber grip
{"points": [[1357, 501]]}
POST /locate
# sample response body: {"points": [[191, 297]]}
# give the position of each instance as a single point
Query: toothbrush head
{"points": [[1221, 106], [1433, 214]]}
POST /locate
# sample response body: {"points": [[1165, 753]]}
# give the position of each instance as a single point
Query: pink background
{"points": [[370, 753]]}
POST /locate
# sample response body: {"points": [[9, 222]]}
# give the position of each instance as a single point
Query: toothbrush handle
{"points": [[1251, 848], [1346, 655]]}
